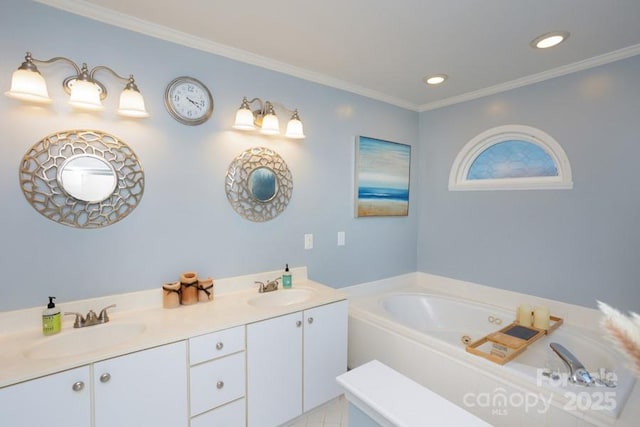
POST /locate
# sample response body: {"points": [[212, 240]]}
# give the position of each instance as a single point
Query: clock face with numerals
{"points": [[188, 101]]}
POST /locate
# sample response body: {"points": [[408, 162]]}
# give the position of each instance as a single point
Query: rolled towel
{"points": [[205, 290], [171, 295], [189, 287]]}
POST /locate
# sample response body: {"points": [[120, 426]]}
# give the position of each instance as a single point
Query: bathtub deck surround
{"points": [[393, 400], [418, 321], [575, 315]]}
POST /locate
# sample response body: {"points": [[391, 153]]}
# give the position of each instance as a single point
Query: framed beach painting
{"points": [[382, 178]]}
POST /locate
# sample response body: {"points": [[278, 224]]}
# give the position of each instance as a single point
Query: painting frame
{"points": [[382, 178]]}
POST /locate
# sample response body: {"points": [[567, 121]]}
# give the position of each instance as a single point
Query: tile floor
{"points": [[332, 414]]}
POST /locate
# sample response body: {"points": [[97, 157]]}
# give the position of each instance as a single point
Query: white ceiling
{"points": [[383, 48]]}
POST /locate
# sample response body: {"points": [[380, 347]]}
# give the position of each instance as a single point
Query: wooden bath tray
{"points": [[507, 343]]}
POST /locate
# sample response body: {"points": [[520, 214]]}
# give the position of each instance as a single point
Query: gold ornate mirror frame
{"points": [[248, 197], [40, 178]]}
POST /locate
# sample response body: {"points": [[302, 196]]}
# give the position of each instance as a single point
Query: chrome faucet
{"points": [[577, 372], [272, 285], [92, 318]]}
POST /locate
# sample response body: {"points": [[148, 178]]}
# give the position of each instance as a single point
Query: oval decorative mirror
{"points": [[263, 184], [87, 178], [82, 178], [259, 184]]}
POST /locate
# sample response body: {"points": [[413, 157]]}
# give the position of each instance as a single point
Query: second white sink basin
{"points": [[71, 342], [281, 297]]}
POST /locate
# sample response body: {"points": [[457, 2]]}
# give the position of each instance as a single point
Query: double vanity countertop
{"points": [[139, 322]]}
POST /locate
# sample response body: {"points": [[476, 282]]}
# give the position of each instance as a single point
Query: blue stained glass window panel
{"points": [[512, 159]]}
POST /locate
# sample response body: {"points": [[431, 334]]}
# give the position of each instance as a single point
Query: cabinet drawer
{"points": [[217, 382], [216, 344], [230, 415]]}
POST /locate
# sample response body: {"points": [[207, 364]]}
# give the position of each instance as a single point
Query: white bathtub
{"points": [[419, 332]]}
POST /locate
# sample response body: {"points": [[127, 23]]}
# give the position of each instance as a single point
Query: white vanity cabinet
{"points": [[292, 362], [217, 378], [146, 388], [58, 400], [274, 370], [325, 352], [235, 362]]}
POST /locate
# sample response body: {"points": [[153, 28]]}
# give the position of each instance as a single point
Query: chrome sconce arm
{"points": [[85, 91], [265, 119], [131, 101]]}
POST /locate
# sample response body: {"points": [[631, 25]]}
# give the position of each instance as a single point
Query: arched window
{"points": [[511, 157]]}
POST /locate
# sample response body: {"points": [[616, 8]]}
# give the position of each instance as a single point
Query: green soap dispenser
{"points": [[286, 278], [51, 319]]}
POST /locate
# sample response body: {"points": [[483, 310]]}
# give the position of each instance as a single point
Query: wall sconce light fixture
{"points": [[85, 92], [265, 119]]}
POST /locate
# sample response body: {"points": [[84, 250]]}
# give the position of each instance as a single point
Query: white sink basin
{"points": [[71, 342], [281, 297]]}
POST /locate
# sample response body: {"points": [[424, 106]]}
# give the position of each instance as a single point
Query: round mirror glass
{"points": [[87, 178], [263, 184]]}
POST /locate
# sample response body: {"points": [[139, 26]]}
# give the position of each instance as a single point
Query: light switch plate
{"points": [[341, 238], [308, 241]]}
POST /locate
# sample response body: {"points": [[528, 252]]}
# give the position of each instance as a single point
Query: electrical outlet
{"points": [[308, 241], [341, 238]]}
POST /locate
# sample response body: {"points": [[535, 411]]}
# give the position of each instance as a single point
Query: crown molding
{"points": [[108, 16], [118, 19], [595, 61]]}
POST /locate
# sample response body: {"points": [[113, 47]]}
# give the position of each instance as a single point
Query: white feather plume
{"points": [[624, 331]]}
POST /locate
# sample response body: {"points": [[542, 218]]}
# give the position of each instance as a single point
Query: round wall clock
{"points": [[188, 101]]}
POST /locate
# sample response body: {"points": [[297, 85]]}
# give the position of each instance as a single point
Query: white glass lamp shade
{"points": [[294, 129], [27, 85], [132, 104], [85, 95], [270, 125], [244, 119]]}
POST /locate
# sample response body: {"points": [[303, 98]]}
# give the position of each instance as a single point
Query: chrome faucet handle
{"points": [[578, 374], [79, 322], [260, 286], [103, 317], [91, 318]]}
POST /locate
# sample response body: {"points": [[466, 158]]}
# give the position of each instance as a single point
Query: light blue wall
{"points": [[576, 246], [184, 221], [572, 245]]}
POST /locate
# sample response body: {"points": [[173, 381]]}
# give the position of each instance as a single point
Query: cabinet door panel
{"points": [[325, 352], [147, 388], [274, 370], [49, 401]]}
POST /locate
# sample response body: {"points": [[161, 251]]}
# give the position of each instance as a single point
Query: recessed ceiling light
{"points": [[549, 39], [435, 79]]}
